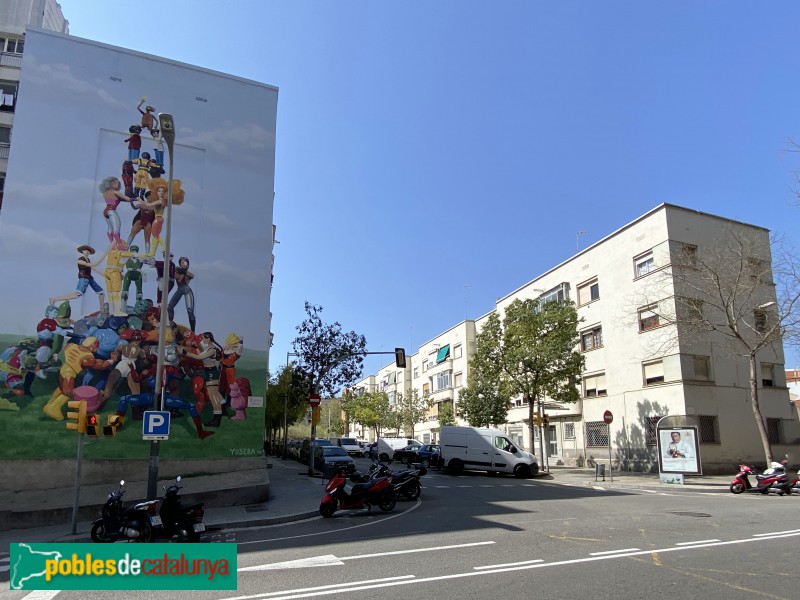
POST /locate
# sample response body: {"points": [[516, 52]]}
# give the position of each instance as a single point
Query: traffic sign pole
{"points": [[608, 417]]}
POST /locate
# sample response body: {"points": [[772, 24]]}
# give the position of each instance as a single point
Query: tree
{"points": [[332, 358], [485, 400], [447, 415], [370, 409], [731, 294], [536, 353], [288, 390], [412, 409]]}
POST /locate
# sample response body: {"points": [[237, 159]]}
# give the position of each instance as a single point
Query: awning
{"points": [[444, 353]]}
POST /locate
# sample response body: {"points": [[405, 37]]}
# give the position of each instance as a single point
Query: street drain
{"points": [[682, 513]]}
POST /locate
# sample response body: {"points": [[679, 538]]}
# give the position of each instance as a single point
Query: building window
{"points": [[592, 339], [14, 46], [424, 366], [760, 321], [767, 374], [426, 389], [442, 380], [644, 264], [596, 433], [557, 294], [416, 372], [650, 423], [709, 429], [648, 318], [774, 431], [399, 376], [688, 255], [588, 292], [594, 385], [569, 431], [653, 372], [458, 380], [457, 351], [702, 369], [392, 398]]}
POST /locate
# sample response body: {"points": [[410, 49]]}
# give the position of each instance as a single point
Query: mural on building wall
{"points": [[82, 232]]}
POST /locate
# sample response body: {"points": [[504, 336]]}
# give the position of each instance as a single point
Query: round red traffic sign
{"points": [[313, 400], [608, 417]]}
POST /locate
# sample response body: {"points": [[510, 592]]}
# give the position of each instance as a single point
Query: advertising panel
{"points": [[679, 450], [82, 235]]}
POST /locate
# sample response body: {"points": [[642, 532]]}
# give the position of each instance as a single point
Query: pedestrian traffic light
{"points": [[114, 423], [400, 358], [546, 420], [93, 424], [79, 417]]}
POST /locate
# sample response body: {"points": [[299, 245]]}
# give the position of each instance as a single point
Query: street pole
{"points": [[167, 127], [545, 464], [286, 410], [77, 501]]}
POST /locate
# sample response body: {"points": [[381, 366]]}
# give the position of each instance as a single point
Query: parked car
{"points": [[407, 454], [305, 447], [387, 446], [328, 458], [428, 455], [350, 445], [293, 449]]}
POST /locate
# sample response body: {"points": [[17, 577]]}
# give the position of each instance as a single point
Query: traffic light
{"points": [[537, 420], [114, 423], [545, 420], [93, 424], [315, 414], [400, 358], [79, 416]]}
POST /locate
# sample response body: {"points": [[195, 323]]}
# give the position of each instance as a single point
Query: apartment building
{"points": [[622, 296], [15, 17]]}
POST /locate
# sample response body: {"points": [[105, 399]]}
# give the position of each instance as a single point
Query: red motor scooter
{"points": [[377, 492], [775, 474]]}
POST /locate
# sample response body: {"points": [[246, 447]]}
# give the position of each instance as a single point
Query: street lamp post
{"points": [[167, 126], [286, 409]]}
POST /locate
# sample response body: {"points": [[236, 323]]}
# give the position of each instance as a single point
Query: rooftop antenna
{"points": [[466, 285], [578, 235]]}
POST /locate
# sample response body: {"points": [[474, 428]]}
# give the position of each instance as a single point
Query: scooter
{"points": [[787, 487], [180, 523], [134, 523], [376, 492], [406, 483], [775, 474]]}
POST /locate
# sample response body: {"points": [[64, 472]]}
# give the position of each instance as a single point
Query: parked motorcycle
{"points": [[133, 523], [376, 492], [406, 483], [775, 474], [786, 487], [180, 523]]}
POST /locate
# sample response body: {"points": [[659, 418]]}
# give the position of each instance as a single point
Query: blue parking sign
{"points": [[155, 425]]}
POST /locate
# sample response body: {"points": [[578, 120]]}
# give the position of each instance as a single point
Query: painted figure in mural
{"points": [[85, 279], [156, 202], [109, 187], [134, 142], [143, 221], [133, 274], [183, 276], [129, 350], [77, 357], [141, 178], [152, 326], [238, 402], [127, 177], [159, 264], [115, 261], [210, 353], [230, 354], [149, 120], [192, 367], [170, 402], [158, 151]]}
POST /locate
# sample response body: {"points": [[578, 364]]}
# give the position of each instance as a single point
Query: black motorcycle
{"points": [[180, 522], [406, 483], [133, 523]]}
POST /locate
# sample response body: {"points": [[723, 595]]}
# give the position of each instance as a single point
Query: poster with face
{"points": [[97, 183], [678, 450]]}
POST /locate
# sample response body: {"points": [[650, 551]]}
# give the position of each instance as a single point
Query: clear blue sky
{"points": [[427, 146]]}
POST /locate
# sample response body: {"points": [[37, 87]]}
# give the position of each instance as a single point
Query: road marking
{"points": [[416, 550], [514, 564], [613, 551], [443, 487], [597, 487], [776, 533], [361, 586], [322, 589], [41, 595], [697, 542]]}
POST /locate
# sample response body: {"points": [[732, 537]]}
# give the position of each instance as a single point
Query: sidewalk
{"points": [[293, 496]]}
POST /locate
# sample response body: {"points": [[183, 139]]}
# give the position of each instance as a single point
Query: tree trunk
{"points": [[530, 424], [762, 429]]}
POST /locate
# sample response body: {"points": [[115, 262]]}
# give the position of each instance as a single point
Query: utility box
{"points": [[599, 471]]}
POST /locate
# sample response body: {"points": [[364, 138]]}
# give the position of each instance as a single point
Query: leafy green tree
{"points": [[370, 409], [485, 400], [412, 409], [536, 353], [332, 358], [287, 391], [447, 415]]}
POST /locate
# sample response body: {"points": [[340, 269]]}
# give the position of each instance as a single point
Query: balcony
{"points": [[4, 148], [10, 60]]}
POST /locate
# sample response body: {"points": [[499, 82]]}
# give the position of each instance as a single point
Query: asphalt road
{"points": [[487, 537]]}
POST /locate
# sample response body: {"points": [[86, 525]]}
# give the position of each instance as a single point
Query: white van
{"points": [[483, 450], [387, 446], [349, 445]]}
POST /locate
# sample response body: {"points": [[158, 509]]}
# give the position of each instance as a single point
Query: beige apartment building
{"points": [[622, 295]]}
